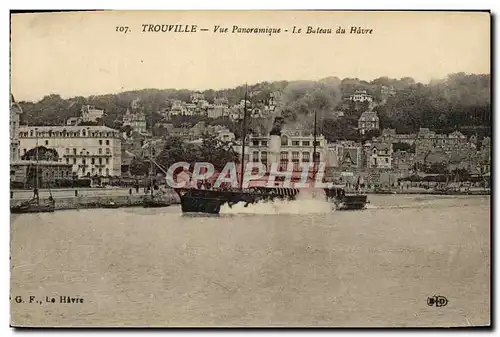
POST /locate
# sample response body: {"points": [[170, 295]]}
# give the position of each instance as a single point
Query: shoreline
{"points": [[428, 192], [94, 202], [136, 200]]}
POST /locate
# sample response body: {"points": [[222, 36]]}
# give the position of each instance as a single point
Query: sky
{"points": [[82, 54]]}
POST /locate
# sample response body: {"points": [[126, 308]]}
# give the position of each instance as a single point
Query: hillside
{"points": [[460, 101]]}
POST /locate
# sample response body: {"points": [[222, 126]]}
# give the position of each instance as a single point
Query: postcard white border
{"points": [[185, 4]]}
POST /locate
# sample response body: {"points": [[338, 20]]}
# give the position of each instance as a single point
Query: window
{"points": [[67, 160], [305, 157], [67, 151], [100, 141], [317, 143], [255, 156], [295, 156], [263, 157], [255, 142], [46, 142], [100, 151], [107, 171], [107, 141], [387, 160], [100, 161], [284, 141], [284, 156], [306, 143], [107, 151], [83, 161], [295, 143], [100, 171], [264, 143], [74, 161], [74, 151], [84, 133], [92, 161], [107, 160]]}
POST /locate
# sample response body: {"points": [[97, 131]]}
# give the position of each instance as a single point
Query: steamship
{"points": [[198, 200]]}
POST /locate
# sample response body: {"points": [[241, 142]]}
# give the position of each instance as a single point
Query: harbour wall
{"points": [[99, 201]]}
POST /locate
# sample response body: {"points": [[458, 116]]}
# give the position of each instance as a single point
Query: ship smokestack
{"points": [[275, 141], [277, 126]]}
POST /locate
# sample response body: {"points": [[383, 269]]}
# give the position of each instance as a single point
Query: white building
{"points": [[360, 96], [91, 114], [368, 121], [15, 115], [88, 113], [197, 96], [217, 110], [291, 147], [345, 155], [137, 121], [91, 150], [379, 155], [73, 121]]}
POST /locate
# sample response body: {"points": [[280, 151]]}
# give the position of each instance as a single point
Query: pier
{"points": [[84, 198]]}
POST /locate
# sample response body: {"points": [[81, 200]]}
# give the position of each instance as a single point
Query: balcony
{"points": [[81, 155]]}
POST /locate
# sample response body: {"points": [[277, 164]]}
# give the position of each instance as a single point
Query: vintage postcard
{"points": [[250, 169]]}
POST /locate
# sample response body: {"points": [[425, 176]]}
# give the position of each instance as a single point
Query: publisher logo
{"points": [[437, 301]]}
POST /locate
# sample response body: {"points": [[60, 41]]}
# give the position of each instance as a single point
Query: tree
{"points": [[139, 167], [403, 147], [460, 101], [217, 152], [43, 154], [175, 151]]}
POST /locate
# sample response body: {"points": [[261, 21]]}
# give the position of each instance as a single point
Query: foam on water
{"points": [[306, 202]]}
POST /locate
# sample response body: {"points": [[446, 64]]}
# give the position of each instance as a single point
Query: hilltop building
{"points": [[360, 96], [88, 114], [367, 122], [136, 120]]}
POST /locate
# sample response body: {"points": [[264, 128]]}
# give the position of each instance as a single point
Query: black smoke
{"points": [[277, 126]]}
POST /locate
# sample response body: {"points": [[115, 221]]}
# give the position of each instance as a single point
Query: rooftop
{"points": [[39, 163], [68, 128], [368, 114]]}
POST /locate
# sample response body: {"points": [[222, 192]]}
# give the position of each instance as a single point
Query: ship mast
{"points": [[244, 134]]}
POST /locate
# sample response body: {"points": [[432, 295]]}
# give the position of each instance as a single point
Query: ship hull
{"points": [[211, 201]]}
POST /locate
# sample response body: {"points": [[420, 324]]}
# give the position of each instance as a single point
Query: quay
{"points": [[85, 198]]}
